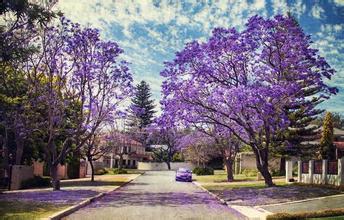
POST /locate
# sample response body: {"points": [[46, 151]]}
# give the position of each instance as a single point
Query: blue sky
{"points": [[151, 31]]}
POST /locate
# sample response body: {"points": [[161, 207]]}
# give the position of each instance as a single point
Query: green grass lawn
{"points": [[129, 171], [99, 181], [221, 176], [237, 185], [27, 210]]}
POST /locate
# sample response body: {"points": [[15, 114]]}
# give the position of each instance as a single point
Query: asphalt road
{"points": [[156, 195]]}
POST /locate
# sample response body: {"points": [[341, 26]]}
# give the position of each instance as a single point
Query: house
{"points": [[126, 152], [339, 142]]}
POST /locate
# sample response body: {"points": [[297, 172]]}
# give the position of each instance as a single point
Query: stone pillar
{"points": [[324, 172], [340, 171], [311, 171], [237, 165], [111, 160], [299, 171], [288, 170]]}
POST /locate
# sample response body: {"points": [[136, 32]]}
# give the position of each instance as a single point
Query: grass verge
{"points": [[28, 210]]}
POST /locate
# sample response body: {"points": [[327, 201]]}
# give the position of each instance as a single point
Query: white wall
{"points": [[163, 166], [323, 178]]}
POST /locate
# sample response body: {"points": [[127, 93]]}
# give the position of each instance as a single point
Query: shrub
{"points": [[306, 215], [117, 171], [201, 171], [100, 171], [36, 182], [275, 172], [250, 172], [178, 157]]}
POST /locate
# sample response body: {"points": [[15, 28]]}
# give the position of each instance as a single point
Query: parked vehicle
{"points": [[183, 174]]}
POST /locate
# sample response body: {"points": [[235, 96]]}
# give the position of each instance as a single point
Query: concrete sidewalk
{"points": [[308, 205]]}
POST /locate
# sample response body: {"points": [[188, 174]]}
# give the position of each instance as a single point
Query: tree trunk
{"points": [[120, 163], [262, 165], [6, 161], [229, 169], [92, 170], [282, 166], [54, 177], [19, 148], [168, 165]]}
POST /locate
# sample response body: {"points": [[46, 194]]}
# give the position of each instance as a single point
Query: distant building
{"points": [[127, 151], [338, 136]]}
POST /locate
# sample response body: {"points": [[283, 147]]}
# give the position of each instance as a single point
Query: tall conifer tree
{"points": [[299, 140], [327, 149], [142, 107]]}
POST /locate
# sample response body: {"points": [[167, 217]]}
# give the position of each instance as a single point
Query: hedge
{"points": [[305, 215], [201, 171], [36, 182]]}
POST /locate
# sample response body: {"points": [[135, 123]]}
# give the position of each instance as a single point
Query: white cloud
{"points": [[298, 8], [280, 7], [169, 26], [317, 12], [339, 2]]}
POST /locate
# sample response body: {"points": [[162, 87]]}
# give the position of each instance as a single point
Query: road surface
{"points": [[156, 195]]}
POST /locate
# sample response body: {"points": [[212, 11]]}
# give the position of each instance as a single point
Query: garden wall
{"points": [[247, 161], [163, 166], [318, 172], [19, 174]]}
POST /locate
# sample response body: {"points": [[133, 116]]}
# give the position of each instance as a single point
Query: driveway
{"points": [[156, 195]]}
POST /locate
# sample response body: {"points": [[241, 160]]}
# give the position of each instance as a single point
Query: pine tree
{"points": [[327, 150], [299, 139], [142, 107]]}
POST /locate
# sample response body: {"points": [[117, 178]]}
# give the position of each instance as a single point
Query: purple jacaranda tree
{"points": [[164, 135], [198, 148], [243, 81], [76, 70], [95, 148]]}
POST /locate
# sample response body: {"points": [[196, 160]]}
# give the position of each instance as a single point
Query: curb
{"points": [[74, 208], [223, 202], [251, 213]]}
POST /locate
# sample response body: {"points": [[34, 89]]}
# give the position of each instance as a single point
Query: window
{"points": [[305, 167], [318, 167], [332, 167]]}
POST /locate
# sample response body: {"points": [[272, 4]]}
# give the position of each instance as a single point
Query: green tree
{"points": [[299, 139], [327, 149], [142, 107], [337, 118]]}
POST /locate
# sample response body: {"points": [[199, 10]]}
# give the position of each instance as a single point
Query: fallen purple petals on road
{"points": [[252, 196], [56, 197]]}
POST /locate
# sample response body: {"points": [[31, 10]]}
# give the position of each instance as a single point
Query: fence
{"points": [[163, 166], [318, 171]]}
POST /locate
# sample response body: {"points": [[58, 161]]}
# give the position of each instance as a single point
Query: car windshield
{"points": [[183, 170]]}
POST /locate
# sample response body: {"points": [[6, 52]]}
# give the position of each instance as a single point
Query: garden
{"points": [[44, 202]]}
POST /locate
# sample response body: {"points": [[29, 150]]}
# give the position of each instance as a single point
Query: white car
{"points": [[184, 174]]}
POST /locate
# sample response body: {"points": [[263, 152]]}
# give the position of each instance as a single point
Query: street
{"points": [[156, 195]]}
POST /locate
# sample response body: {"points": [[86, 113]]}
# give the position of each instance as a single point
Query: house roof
{"points": [[123, 139], [339, 144]]}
